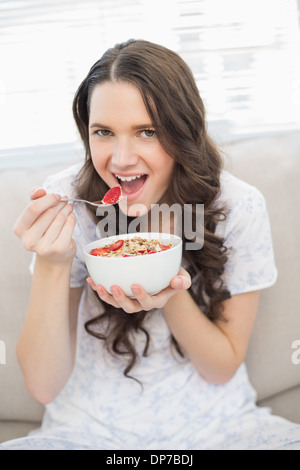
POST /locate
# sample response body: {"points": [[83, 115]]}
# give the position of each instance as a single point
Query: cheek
{"points": [[98, 158], [161, 162], [167, 171]]}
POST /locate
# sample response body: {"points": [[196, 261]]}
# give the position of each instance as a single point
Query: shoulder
{"points": [[244, 203], [63, 182], [247, 234], [235, 191]]}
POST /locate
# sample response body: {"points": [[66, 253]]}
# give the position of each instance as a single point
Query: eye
{"points": [[103, 132], [148, 133]]}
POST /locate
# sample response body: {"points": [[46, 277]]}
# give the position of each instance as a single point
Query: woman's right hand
{"points": [[46, 227]]}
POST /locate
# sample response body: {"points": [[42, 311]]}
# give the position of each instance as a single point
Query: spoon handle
{"points": [[69, 199]]}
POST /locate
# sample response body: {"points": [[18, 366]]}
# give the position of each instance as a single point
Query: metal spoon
{"points": [[110, 195], [95, 203]]}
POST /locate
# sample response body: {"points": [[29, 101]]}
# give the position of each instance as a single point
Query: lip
{"points": [[135, 195]]}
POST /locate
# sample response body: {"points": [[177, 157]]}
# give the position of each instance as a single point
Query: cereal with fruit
{"points": [[135, 246]]}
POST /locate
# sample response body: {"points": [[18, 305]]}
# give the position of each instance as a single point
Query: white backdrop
{"points": [[244, 53]]}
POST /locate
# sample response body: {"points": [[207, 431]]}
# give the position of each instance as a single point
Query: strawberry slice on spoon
{"points": [[112, 196]]}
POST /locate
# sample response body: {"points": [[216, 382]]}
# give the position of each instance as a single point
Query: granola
{"points": [[135, 246]]}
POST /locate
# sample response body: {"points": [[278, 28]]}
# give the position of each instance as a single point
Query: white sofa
{"points": [[273, 165]]}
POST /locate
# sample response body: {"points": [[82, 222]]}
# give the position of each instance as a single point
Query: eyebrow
{"points": [[142, 126], [136, 127]]}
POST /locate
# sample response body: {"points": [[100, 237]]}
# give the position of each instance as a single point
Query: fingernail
{"points": [[178, 282], [136, 290], [114, 291], [35, 190], [100, 291]]}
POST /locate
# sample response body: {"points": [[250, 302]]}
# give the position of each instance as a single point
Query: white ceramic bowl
{"points": [[153, 271]]}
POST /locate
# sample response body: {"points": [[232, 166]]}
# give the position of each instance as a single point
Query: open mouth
{"points": [[131, 184]]}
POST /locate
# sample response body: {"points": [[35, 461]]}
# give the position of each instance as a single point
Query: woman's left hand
{"points": [[142, 300]]}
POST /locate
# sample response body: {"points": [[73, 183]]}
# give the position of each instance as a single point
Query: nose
{"points": [[124, 154]]}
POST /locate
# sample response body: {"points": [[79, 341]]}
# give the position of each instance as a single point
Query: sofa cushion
{"points": [[15, 280], [14, 429], [285, 404], [273, 166]]}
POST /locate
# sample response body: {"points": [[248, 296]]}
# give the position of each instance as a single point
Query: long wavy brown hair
{"points": [[175, 107]]}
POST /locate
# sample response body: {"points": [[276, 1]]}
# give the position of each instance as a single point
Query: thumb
{"points": [[182, 280]]}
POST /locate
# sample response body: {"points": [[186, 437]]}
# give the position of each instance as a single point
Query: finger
{"points": [[127, 304], [103, 294], [32, 235], [33, 211], [55, 228], [64, 245], [69, 226], [182, 281], [149, 302], [37, 192], [90, 281], [146, 301]]}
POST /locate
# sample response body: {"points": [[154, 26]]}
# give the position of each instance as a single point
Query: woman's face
{"points": [[124, 147]]}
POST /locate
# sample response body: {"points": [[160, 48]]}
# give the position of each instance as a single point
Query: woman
{"points": [[153, 372]]}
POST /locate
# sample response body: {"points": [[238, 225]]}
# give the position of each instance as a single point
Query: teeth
{"points": [[127, 178]]}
